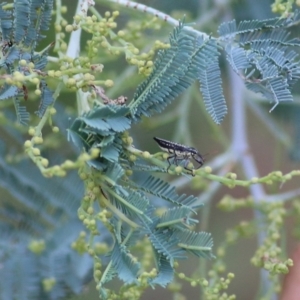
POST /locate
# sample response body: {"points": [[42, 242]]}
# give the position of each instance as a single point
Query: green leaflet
{"points": [[46, 99], [230, 29], [209, 75], [164, 242], [126, 268], [197, 243], [109, 274], [163, 190], [165, 271], [8, 91], [21, 19], [176, 218], [22, 114], [5, 23], [101, 128]]}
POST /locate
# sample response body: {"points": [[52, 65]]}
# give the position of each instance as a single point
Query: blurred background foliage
{"points": [[38, 215]]}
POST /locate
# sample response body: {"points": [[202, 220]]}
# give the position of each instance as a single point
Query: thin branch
{"points": [[284, 196], [241, 151], [149, 10], [73, 52]]}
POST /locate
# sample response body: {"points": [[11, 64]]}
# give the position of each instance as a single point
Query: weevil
{"points": [[180, 152]]}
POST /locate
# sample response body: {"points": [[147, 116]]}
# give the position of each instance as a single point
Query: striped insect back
{"points": [[179, 152]]}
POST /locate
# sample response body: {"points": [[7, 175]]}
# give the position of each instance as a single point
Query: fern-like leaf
{"points": [[114, 172], [131, 203], [162, 240], [228, 30], [40, 16], [6, 23], [124, 264], [165, 271], [198, 243], [238, 58], [110, 117], [163, 190], [22, 114], [211, 82], [109, 274], [159, 89], [176, 217], [46, 99], [280, 91], [13, 53], [8, 91], [21, 19]]}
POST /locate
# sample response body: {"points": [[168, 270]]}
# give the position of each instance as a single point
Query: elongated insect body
{"points": [[179, 152]]}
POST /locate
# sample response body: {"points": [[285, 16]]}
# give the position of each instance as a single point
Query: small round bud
{"points": [[128, 172], [146, 154], [51, 73], [109, 83], [38, 92], [68, 164], [35, 81], [208, 170], [63, 9], [121, 33], [90, 210], [132, 157], [52, 111], [97, 273], [55, 129], [31, 131], [165, 156], [27, 144], [91, 252], [57, 73], [38, 140], [193, 283], [95, 152], [178, 169], [45, 162], [205, 283], [36, 151], [58, 28], [96, 190], [69, 28], [233, 176], [23, 62]]}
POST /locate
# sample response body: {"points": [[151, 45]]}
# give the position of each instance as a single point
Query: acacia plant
{"points": [[131, 223]]}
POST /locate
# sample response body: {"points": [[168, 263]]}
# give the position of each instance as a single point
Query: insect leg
{"points": [[186, 164], [168, 159], [199, 159]]}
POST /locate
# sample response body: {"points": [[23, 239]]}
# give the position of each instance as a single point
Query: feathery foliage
{"points": [[104, 128], [35, 244], [261, 52], [119, 177], [189, 58], [19, 35]]}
